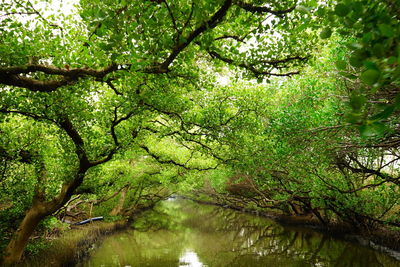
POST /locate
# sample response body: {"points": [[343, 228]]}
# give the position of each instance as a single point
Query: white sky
{"points": [[66, 7], [46, 8]]}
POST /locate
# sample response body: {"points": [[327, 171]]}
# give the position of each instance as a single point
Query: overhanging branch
{"points": [[267, 63], [263, 9], [19, 76], [179, 47], [172, 162]]}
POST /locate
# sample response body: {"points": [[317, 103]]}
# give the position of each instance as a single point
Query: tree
{"points": [[299, 155], [96, 81]]}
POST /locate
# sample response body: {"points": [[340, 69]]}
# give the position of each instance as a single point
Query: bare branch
{"points": [[104, 199], [362, 169]]}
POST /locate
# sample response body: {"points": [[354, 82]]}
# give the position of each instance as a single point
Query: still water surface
{"points": [[183, 233]]}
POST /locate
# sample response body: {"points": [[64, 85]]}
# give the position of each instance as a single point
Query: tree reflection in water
{"points": [[183, 233]]}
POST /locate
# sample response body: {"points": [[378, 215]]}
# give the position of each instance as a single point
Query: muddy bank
{"points": [[385, 240]]}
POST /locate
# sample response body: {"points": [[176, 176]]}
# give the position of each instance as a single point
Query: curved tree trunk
{"points": [[40, 208], [17, 244], [33, 216], [117, 209]]}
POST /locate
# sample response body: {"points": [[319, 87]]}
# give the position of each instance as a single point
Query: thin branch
{"points": [[263, 9], [104, 199], [276, 62], [327, 128], [172, 18], [18, 13], [109, 83], [115, 123], [43, 18], [234, 37], [365, 170], [190, 16], [254, 70], [179, 47]]}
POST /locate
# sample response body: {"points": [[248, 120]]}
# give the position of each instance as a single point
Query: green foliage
{"points": [[129, 95], [371, 33]]}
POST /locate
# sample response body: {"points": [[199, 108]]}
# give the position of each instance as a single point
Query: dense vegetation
{"points": [[282, 105]]}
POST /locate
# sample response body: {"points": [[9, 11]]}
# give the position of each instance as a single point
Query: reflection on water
{"points": [[190, 259], [182, 233]]}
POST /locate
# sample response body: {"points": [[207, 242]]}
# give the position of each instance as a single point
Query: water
{"points": [[182, 233]]}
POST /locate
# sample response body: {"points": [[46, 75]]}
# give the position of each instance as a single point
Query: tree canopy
{"points": [[286, 105]]}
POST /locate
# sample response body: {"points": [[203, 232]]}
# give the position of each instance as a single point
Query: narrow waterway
{"points": [[183, 233]]}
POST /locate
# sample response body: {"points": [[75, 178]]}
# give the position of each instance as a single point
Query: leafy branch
{"points": [[266, 64], [159, 159]]}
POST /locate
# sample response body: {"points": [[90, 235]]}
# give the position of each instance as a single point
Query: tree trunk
{"points": [[117, 209], [17, 244], [34, 215], [40, 208]]}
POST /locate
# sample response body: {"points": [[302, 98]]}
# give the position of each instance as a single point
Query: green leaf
{"points": [[391, 60], [353, 118], [378, 50], [325, 33], [384, 114], [341, 64], [321, 11], [386, 30], [367, 37], [101, 31], [356, 61], [373, 129], [357, 7], [342, 10], [357, 101], [370, 76], [397, 101], [371, 65], [303, 9]]}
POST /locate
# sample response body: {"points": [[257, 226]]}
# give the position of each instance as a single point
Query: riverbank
{"points": [[384, 240], [74, 244]]}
